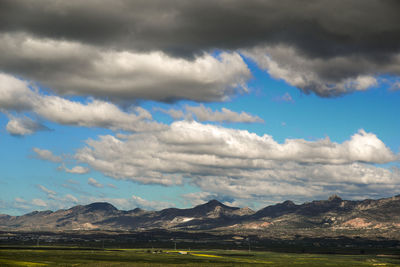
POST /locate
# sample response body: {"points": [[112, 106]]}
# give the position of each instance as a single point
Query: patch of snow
{"points": [[181, 219]]}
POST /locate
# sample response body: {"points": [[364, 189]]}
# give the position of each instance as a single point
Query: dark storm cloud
{"points": [[364, 31], [319, 28]]}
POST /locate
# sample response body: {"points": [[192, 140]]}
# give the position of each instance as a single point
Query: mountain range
{"points": [[332, 217]]}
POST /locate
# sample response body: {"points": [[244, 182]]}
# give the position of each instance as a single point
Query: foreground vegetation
{"points": [[62, 256]]}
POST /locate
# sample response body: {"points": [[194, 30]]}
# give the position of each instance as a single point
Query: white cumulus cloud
{"points": [[20, 126], [17, 95], [238, 163], [77, 170]]}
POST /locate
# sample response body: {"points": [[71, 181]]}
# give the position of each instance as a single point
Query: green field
{"points": [[51, 256]]}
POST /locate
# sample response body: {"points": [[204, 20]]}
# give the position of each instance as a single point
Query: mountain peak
{"points": [[213, 203], [210, 204], [288, 203], [335, 198], [100, 206]]}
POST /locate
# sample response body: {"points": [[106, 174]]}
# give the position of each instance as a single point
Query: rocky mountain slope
{"points": [[366, 217]]}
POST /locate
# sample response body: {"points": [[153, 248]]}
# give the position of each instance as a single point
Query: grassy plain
{"points": [[51, 256]]}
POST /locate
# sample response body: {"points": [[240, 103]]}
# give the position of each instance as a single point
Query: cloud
{"points": [[16, 95], [39, 202], [341, 51], [46, 190], [20, 126], [51, 203], [93, 182], [20, 200], [203, 113], [55, 202], [19, 204], [46, 155], [183, 28], [237, 163], [294, 181], [75, 187], [77, 170], [131, 75], [199, 51], [174, 113], [395, 86], [325, 77], [285, 98], [198, 198], [147, 204], [71, 198]]}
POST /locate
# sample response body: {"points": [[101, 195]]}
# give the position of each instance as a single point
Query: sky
{"points": [[157, 104]]}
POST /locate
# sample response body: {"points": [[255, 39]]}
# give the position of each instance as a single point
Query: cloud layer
{"points": [[324, 76], [338, 42], [69, 67], [202, 113], [18, 95], [240, 164], [182, 28]]}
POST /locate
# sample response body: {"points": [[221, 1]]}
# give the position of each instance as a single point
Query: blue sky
{"points": [[86, 116]]}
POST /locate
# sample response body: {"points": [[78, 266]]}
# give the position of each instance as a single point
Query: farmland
{"points": [[75, 256]]}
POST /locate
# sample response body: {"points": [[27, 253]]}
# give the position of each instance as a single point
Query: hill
{"points": [[332, 217]]}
